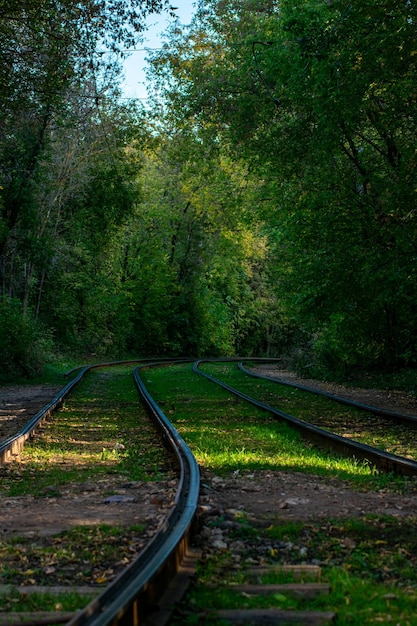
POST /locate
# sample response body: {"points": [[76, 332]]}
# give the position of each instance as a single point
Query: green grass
{"points": [[80, 556], [226, 433], [22, 602], [322, 411], [370, 563], [344, 420], [101, 429]]}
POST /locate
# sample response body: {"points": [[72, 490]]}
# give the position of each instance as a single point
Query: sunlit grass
{"points": [[267, 445], [102, 428], [228, 434], [347, 421]]}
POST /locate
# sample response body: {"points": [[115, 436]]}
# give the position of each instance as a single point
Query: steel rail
{"points": [[399, 417], [12, 445], [384, 461], [135, 595], [149, 361]]}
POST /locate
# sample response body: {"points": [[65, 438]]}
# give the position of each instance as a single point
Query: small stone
{"points": [[218, 544], [119, 498]]}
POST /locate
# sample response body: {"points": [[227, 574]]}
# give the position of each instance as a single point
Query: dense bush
{"points": [[23, 345]]}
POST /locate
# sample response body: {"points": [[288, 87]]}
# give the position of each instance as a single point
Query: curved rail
{"points": [[134, 596], [384, 461], [136, 593], [399, 417], [12, 445], [149, 361]]}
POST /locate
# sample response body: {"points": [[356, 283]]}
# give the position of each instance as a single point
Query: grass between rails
{"points": [[324, 412], [102, 434], [102, 429], [369, 563], [228, 434]]}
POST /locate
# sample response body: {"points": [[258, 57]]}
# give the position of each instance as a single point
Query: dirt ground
{"points": [[262, 495], [266, 495], [19, 403], [110, 501]]}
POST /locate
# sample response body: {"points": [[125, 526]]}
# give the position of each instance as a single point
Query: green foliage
{"points": [[23, 346], [319, 97], [279, 182], [191, 260], [80, 300], [67, 159]]}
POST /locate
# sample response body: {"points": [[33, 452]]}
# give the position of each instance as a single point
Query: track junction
{"points": [[164, 564]]}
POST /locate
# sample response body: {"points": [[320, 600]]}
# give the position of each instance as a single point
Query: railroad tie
{"points": [[273, 617], [301, 585]]}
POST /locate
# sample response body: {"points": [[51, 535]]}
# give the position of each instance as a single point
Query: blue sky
{"points": [[133, 86]]}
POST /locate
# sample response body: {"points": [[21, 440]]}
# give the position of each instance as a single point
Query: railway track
{"points": [[382, 460], [396, 416], [11, 446], [166, 563], [167, 560]]}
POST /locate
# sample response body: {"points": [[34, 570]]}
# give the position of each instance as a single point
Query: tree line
{"points": [[264, 203]]}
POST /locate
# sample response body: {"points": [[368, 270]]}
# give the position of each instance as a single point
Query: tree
{"points": [[80, 300], [192, 256], [59, 67], [319, 97], [50, 56]]}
